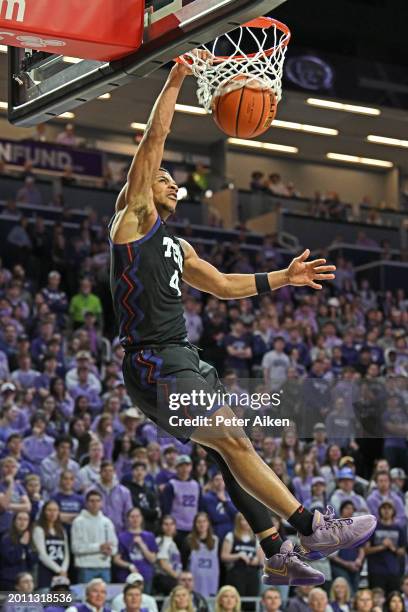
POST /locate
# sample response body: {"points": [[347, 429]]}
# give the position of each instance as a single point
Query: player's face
{"points": [[165, 193]]}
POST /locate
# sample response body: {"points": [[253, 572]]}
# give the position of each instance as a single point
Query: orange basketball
{"points": [[244, 107]]}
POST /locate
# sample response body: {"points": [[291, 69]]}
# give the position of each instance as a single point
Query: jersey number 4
{"points": [[175, 282]]}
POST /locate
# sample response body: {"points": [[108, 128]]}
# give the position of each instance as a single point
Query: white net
{"points": [[265, 64]]}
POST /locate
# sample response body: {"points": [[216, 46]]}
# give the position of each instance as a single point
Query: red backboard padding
{"points": [[91, 29]]}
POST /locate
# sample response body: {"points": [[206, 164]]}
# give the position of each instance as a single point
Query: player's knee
{"points": [[233, 444]]}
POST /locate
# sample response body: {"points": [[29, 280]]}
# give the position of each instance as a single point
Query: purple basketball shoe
{"points": [[287, 568], [331, 534]]}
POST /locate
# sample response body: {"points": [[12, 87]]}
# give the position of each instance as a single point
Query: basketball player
{"points": [[148, 264]]}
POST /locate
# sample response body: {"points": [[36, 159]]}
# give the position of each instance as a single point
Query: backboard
{"points": [[43, 85]]}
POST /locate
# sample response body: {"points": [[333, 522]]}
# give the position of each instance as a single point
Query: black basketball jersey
{"points": [[145, 279]]}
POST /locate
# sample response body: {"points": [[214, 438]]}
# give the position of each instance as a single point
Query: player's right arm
{"points": [[135, 210]]}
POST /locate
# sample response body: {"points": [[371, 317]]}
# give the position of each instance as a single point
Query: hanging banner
{"points": [[49, 156]]}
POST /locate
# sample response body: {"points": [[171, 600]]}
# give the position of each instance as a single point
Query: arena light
{"points": [[182, 193], [340, 106], [138, 126], [354, 159], [305, 127], [68, 115], [71, 60], [3, 48], [267, 146], [106, 96], [392, 142], [190, 110], [3, 105]]}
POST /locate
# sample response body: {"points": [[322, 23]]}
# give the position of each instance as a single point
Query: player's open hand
{"points": [[302, 272]]}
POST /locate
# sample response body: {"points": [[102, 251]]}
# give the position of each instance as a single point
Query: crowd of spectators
{"points": [[322, 205], [88, 487]]}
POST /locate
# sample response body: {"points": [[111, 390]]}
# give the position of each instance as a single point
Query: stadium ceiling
{"points": [[133, 103]]}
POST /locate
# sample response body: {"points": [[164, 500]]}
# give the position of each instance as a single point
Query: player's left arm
{"points": [[203, 276]]}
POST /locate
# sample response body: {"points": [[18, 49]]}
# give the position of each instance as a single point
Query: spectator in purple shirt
{"points": [[348, 350], [219, 507], [181, 497], [70, 503], [295, 341], [239, 351], [116, 498], [112, 407], [39, 445], [395, 421], [168, 470], [84, 386], [64, 401], [137, 550], [55, 298], [386, 549], [302, 484], [39, 344], [383, 492], [13, 497], [12, 420], [25, 376], [319, 444], [14, 446], [60, 461], [43, 381]]}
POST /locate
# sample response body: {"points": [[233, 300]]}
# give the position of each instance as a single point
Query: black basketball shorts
{"points": [[173, 386]]}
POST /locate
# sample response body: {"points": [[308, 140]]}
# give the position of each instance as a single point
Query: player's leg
{"points": [[282, 566], [320, 534], [249, 470], [257, 515]]}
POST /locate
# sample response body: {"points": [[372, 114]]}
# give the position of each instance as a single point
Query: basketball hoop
{"points": [[269, 38]]}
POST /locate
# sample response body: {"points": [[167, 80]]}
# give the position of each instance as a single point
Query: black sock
{"points": [[302, 520], [271, 545]]}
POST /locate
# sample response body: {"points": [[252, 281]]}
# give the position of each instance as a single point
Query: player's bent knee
{"points": [[226, 440], [232, 444]]}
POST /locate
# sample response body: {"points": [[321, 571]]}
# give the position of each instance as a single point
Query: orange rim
{"points": [[262, 23]]}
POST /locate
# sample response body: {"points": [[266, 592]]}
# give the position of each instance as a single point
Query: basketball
{"points": [[244, 107]]}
